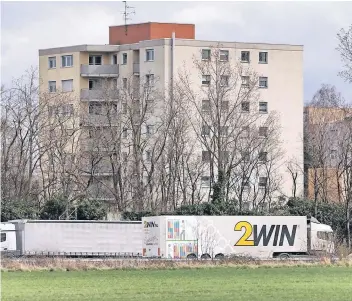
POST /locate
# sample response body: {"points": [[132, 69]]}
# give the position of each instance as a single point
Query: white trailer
{"points": [[71, 237], [262, 237]]}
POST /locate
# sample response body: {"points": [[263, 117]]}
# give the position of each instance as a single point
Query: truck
{"points": [[71, 238], [259, 237]]}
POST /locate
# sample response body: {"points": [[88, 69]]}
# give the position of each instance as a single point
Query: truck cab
{"points": [[320, 237], [8, 237]]}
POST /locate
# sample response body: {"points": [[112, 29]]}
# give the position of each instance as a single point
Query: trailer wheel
{"points": [[219, 256], [284, 256], [205, 256], [191, 256]]}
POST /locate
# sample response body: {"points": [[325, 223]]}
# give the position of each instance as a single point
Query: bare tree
{"points": [[223, 113], [345, 49]]}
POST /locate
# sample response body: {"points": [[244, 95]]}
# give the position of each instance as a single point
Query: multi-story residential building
{"points": [[327, 132], [156, 54]]}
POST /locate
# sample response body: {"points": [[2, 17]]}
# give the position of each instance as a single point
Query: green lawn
{"points": [[280, 283]]}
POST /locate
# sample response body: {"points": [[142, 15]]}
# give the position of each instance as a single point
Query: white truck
{"points": [[71, 238], [261, 237]]}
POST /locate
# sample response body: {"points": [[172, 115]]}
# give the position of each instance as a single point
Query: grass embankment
{"points": [[254, 283]]}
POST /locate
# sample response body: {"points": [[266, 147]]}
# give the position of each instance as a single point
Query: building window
{"points": [[206, 54], [149, 79], [95, 60], [263, 131], [206, 80], [263, 57], [224, 55], [67, 85], [263, 107], [245, 81], [205, 181], [124, 108], [124, 133], [224, 80], [150, 106], [67, 61], [224, 131], [225, 105], [245, 56], [52, 86], [205, 156], [124, 157], [114, 59], [95, 108], [148, 155], [205, 130], [333, 154], [67, 110], [245, 106], [52, 62], [124, 58], [150, 129], [205, 105], [245, 132], [149, 55], [263, 82], [263, 182], [246, 156], [124, 83], [94, 84], [263, 156]]}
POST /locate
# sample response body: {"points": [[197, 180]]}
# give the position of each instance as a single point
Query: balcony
{"points": [[136, 68], [100, 94], [99, 70]]}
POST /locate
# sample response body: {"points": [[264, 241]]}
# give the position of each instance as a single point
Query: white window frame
{"points": [[245, 81], [206, 80], [224, 55], [263, 129], [50, 87], [266, 57], [263, 79], [114, 59], [248, 54], [262, 180], [262, 103], [67, 80], [124, 83], [149, 55], [148, 155], [205, 181], [124, 55], [263, 156], [249, 106], [149, 80], [206, 155], [92, 108], [149, 129], [94, 56], [205, 130], [206, 54], [52, 62], [224, 80], [65, 59]]}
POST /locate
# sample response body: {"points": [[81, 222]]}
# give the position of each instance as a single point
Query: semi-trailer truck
{"points": [[71, 238], [262, 237]]}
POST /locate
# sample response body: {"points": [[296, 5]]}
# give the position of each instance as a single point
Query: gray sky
{"points": [[29, 26]]}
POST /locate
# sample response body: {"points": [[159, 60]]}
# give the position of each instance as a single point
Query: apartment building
{"points": [[157, 53], [327, 132]]}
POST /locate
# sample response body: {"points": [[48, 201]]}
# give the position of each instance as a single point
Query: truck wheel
{"points": [[205, 256], [192, 256], [284, 256]]}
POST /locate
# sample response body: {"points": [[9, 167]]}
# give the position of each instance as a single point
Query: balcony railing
{"points": [[100, 94], [135, 68], [100, 70]]}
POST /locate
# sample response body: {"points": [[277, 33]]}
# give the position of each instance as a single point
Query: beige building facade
{"points": [[80, 71]]}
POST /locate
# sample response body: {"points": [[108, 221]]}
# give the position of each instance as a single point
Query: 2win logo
{"points": [[263, 234], [150, 224]]}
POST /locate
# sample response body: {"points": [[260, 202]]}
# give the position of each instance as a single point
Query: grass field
{"points": [[223, 283]]}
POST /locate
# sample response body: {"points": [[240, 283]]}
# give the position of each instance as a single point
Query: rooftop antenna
{"points": [[129, 10]]}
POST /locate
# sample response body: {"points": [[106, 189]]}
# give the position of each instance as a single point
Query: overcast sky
{"points": [[29, 26]]}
